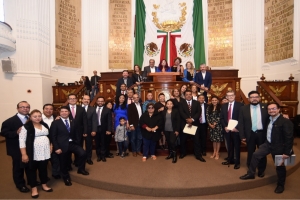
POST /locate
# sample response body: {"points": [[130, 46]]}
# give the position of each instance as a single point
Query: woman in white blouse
{"points": [[35, 150]]}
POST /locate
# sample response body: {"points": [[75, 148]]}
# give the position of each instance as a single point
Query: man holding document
{"points": [[190, 111], [229, 116], [279, 142]]}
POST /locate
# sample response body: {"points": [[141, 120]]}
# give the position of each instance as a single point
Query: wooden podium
{"points": [[164, 76]]}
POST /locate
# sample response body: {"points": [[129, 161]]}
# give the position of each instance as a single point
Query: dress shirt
{"points": [[123, 92], [129, 101], [99, 117], [47, 120], [203, 113], [64, 121], [139, 109], [23, 118], [85, 107], [270, 126], [125, 81], [189, 102], [232, 105], [203, 75], [258, 114], [74, 109], [152, 69]]}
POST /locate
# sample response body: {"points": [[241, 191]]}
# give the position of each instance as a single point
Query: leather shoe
{"points": [[236, 166], [279, 189], [226, 158], [50, 190], [139, 153], [204, 153], [227, 163], [83, 172], [56, 176], [201, 159], [23, 189], [103, 159], [68, 182], [35, 196], [247, 176], [89, 161], [181, 156], [98, 159], [134, 154], [109, 155], [261, 174]]}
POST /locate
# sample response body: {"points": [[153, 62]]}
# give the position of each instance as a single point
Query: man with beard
{"points": [[252, 125]]}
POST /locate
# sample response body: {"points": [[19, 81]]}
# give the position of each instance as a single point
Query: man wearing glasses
{"points": [[149, 69], [279, 141], [252, 125], [10, 130]]}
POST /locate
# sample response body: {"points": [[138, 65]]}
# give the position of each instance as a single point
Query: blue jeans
{"points": [[122, 147], [136, 139], [95, 89], [148, 145]]}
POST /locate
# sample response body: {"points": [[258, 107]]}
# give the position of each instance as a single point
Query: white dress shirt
{"points": [[139, 109], [152, 69], [47, 120], [23, 118]]}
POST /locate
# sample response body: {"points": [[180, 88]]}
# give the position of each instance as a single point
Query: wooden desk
{"points": [[164, 76]]}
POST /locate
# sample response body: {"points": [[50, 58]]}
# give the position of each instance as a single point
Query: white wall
{"points": [[33, 23]]}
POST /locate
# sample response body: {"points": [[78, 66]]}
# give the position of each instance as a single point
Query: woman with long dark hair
{"points": [[88, 85], [182, 90], [215, 127], [163, 66], [177, 67], [137, 78], [120, 109]]}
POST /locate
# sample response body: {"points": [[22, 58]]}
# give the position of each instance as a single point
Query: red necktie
{"points": [[229, 112], [190, 107]]}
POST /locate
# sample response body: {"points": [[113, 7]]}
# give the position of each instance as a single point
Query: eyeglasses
{"points": [[232, 95], [72, 98], [23, 107], [256, 97], [272, 108], [150, 107]]}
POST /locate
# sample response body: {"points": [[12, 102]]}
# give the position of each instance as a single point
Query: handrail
{"points": [[243, 97]]}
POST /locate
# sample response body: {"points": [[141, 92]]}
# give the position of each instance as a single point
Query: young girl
{"points": [[121, 137]]}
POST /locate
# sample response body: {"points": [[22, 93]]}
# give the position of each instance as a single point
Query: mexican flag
{"points": [[167, 29]]}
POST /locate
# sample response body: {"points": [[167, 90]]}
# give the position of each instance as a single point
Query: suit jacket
{"points": [[235, 113], [175, 119], [60, 135], [282, 136], [245, 123], [135, 78], [208, 79], [121, 81], [80, 121], [9, 131], [185, 113], [98, 78], [147, 71], [106, 119], [92, 120], [133, 115]]}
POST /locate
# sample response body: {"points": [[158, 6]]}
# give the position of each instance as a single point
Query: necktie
{"points": [[254, 119], [229, 112], [67, 125], [25, 119], [99, 116], [130, 100], [190, 107], [73, 112]]}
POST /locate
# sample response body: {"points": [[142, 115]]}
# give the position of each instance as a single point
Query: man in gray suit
{"points": [[91, 127], [149, 69]]}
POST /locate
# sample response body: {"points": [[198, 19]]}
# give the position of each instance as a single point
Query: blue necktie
{"points": [[67, 125], [254, 119]]}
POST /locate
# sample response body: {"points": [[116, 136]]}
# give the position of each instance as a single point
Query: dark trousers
{"points": [[233, 146], [88, 146], [197, 143], [107, 143], [148, 145], [102, 142], [261, 153], [183, 139], [64, 159], [203, 136], [41, 167], [171, 139], [55, 164], [18, 172], [122, 147], [256, 139]]}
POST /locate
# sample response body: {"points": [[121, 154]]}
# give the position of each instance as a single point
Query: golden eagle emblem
{"points": [[66, 92], [113, 87], [276, 90], [218, 90]]}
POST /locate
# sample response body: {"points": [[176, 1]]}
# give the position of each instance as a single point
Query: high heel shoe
{"points": [[35, 196], [217, 156]]}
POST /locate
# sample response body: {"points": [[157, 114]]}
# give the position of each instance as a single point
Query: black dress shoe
{"points": [[35, 196], [236, 166], [201, 159], [279, 189], [204, 153], [181, 156], [109, 155], [89, 161], [247, 176], [98, 159], [23, 189], [103, 159], [50, 190], [56, 176], [83, 172], [69, 168], [227, 163], [68, 182], [226, 158], [261, 174]]}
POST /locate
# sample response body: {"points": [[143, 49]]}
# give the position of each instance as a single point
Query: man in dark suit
{"points": [[92, 124], [124, 80], [104, 128], [279, 141], [202, 128], [252, 126], [149, 69], [204, 79], [10, 130], [134, 111], [65, 141], [190, 111], [122, 90], [94, 82], [229, 111]]}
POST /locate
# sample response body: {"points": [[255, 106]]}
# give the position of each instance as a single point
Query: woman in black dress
{"points": [[137, 78], [159, 107], [177, 67]]}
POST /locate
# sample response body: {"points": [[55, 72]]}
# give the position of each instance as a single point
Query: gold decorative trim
{"points": [[101, 88], [108, 90], [292, 88], [56, 92], [218, 90], [237, 86], [276, 90]]}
